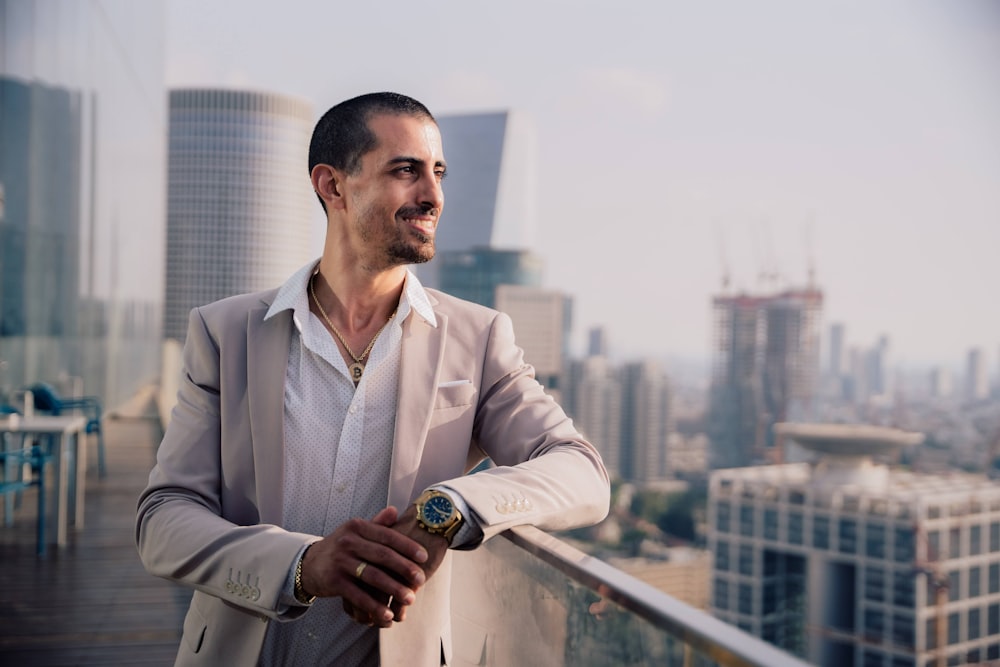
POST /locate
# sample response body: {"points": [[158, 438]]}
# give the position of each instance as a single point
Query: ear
{"points": [[327, 182]]}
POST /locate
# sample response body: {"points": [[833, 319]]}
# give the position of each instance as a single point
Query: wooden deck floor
{"points": [[91, 603]]}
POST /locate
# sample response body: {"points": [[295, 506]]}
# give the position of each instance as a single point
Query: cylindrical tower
{"points": [[238, 196]]}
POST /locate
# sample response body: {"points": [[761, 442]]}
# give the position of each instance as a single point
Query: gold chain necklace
{"points": [[357, 369]]}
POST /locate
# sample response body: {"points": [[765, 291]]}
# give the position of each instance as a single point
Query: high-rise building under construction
{"points": [[764, 370]]}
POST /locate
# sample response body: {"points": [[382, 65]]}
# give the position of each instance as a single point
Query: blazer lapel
{"points": [[267, 360], [419, 368]]}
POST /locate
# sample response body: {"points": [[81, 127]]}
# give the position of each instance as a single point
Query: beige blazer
{"points": [[211, 515]]}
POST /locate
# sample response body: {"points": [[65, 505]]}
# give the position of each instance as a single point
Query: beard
{"points": [[400, 251], [406, 246], [399, 245]]}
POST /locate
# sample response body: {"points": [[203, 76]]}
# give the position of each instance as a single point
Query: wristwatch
{"points": [[437, 514]]}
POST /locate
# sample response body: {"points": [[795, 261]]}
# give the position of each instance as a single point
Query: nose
{"points": [[431, 194]]}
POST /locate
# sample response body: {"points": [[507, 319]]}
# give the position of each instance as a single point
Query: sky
{"points": [[681, 142]]}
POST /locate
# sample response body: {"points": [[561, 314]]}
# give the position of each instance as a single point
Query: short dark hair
{"points": [[342, 135]]}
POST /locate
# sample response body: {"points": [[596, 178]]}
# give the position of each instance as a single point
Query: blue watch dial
{"points": [[437, 510]]}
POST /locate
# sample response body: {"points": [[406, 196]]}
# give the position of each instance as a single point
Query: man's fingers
{"points": [[372, 576], [386, 517], [382, 533], [392, 563], [398, 609], [366, 606]]}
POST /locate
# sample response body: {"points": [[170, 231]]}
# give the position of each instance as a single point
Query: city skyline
{"points": [[679, 144]]}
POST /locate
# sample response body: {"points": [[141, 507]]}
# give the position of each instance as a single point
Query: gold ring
{"points": [[359, 570]]}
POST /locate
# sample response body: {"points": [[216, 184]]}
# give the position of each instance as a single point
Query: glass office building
{"points": [[82, 177], [849, 561], [239, 199], [476, 273]]}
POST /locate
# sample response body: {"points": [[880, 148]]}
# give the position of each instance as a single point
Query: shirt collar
{"points": [[294, 296]]}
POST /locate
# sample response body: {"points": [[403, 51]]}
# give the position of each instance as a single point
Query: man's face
{"points": [[396, 196]]}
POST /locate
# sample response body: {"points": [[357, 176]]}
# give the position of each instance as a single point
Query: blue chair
{"points": [[14, 499], [48, 401], [30, 459]]}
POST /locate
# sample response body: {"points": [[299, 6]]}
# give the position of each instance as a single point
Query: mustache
{"points": [[412, 211]]}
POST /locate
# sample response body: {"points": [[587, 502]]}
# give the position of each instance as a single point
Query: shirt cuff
{"points": [[470, 534]]}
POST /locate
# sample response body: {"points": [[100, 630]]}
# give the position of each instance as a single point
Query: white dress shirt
{"points": [[338, 449]]}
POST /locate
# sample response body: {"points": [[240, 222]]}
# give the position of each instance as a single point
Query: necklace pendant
{"points": [[356, 369]]}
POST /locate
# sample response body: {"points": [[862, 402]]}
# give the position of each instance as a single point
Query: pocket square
{"points": [[454, 383]]}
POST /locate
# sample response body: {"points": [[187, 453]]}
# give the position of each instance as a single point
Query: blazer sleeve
{"points": [[547, 474], [196, 522]]}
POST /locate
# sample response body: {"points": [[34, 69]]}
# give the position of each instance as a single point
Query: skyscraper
{"points": [[476, 273], [647, 422], [490, 197], [541, 320], [836, 368], [595, 403], [239, 198], [940, 382], [597, 342], [82, 165], [486, 231], [977, 379], [765, 370]]}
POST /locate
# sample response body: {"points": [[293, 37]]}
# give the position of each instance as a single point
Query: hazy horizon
{"points": [[678, 142]]}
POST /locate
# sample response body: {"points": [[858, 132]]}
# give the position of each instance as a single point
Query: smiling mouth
{"points": [[423, 224]]}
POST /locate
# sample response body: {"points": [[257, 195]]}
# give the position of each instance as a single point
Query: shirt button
{"points": [[353, 409], [341, 487]]}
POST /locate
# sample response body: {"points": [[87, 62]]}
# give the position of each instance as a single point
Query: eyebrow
{"points": [[403, 159]]}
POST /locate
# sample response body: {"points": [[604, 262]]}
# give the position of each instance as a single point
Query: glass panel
{"points": [[746, 560], [794, 528], [874, 584], [746, 520], [821, 532], [848, 535], [903, 589], [974, 623], [721, 597], [875, 540], [551, 604], [903, 548], [955, 542], [83, 172], [771, 524], [722, 513], [722, 556], [975, 540]]}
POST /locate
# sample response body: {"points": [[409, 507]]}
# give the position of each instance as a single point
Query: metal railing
{"points": [[528, 597]]}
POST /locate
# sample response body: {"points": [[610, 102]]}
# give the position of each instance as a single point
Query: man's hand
{"points": [[393, 573], [436, 547]]}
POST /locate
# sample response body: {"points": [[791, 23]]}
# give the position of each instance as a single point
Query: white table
{"points": [[69, 457]]}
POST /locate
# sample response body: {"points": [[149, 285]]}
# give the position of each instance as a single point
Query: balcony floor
{"points": [[91, 603]]}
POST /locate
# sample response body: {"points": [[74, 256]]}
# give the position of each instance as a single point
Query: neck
{"points": [[357, 301]]}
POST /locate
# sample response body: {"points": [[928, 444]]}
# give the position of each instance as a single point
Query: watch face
{"points": [[437, 510]]}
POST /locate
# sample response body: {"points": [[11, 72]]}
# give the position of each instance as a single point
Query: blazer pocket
{"points": [[194, 628], [454, 395]]}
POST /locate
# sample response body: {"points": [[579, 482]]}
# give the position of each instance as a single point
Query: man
{"points": [[351, 392]]}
